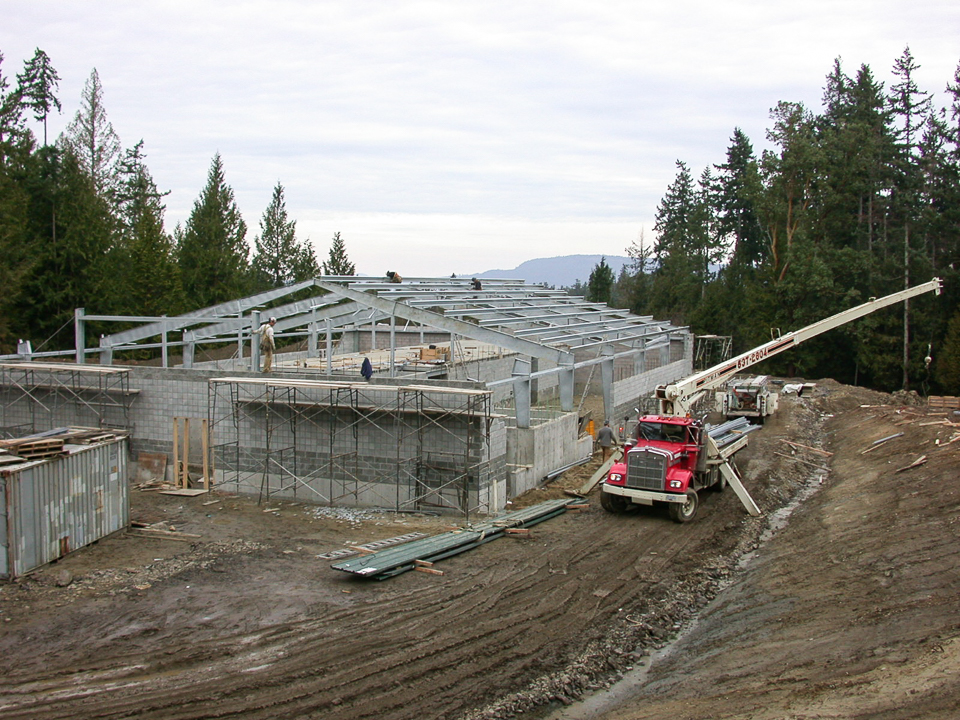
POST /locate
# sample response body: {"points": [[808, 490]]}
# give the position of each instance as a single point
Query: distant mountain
{"points": [[558, 271]]}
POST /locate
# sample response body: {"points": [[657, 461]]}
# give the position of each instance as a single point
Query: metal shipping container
{"points": [[53, 506]]}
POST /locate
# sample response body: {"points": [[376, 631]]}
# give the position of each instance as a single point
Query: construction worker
{"points": [[606, 439], [267, 344], [393, 277]]}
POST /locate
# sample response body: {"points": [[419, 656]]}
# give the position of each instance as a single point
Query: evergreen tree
{"points": [[147, 277], [947, 365], [789, 176], [37, 85], [686, 246], [600, 284], [91, 137], [212, 248], [16, 145], [280, 259], [68, 257], [15, 139], [738, 187], [338, 263], [910, 106]]}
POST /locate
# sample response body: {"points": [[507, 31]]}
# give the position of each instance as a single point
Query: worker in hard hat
{"points": [[267, 343]]}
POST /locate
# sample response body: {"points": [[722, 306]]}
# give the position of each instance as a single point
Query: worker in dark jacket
{"points": [[606, 439]]}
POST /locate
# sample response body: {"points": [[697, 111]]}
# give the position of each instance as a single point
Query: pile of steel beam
{"points": [[395, 560], [731, 431]]}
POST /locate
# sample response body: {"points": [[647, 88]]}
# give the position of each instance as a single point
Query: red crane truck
{"points": [[674, 456]]}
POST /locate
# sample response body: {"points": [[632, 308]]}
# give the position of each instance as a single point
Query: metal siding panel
{"points": [[4, 535], [79, 498]]}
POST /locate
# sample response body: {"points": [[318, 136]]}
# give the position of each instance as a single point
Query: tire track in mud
{"points": [[444, 650], [504, 617]]}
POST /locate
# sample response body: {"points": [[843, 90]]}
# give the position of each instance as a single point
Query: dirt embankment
{"points": [[856, 592]]}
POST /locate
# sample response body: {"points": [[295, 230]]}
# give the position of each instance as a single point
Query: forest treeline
{"points": [[82, 225], [856, 201]]}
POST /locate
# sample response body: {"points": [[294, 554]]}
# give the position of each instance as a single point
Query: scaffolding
{"points": [[406, 448], [711, 350], [41, 396]]}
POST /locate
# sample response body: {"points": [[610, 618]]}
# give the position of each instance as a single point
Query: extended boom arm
{"points": [[679, 398]]}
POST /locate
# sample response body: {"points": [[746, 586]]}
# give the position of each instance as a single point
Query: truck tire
{"points": [[685, 512], [613, 503], [719, 480]]}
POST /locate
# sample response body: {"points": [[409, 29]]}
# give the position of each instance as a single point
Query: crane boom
{"points": [[680, 397]]}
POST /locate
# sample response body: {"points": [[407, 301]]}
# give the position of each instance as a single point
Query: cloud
{"points": [[457, 122]]}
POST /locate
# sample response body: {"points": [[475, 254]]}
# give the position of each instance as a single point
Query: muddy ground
{"points": [[848, 608]]}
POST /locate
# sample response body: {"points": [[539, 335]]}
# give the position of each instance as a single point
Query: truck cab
{"points": [[664, 462]]}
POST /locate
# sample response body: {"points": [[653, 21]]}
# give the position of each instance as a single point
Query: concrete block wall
{"points": [[627, 392], [535, 452]]}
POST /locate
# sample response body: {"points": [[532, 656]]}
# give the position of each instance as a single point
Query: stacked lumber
{"points": [[943, 402], [51, 443]]}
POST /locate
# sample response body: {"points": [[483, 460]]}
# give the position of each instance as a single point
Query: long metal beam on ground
{"points": [[395, 560]]}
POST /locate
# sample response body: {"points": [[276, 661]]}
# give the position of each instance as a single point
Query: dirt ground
{"points": [[841, 601]]}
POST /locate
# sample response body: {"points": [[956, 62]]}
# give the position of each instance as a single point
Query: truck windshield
{"points": [[662, 432]]}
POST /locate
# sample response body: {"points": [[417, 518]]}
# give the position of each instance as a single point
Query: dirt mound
{"points": [[856, 590]]}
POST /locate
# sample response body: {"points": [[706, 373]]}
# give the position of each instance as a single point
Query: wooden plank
{"points": [[186, 492], [801, 460], [919, 461], [807, 447], [176, 451], [601, 472], [428, 570], [185, 482], [205, 442], [165, 533]]}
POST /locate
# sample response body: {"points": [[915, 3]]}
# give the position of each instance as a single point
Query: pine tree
{"points": [[147, 278], [280, 259], [911, 106], [212, 248], [338, 263], [16, 144], [68, 258], [738, 188], [600, 284], [91, 137], [37, 85]]}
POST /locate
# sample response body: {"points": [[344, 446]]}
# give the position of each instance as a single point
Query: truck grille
{"points": [[646, 470]]}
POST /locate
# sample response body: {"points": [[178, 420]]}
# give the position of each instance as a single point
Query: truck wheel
{"points": [[613, 503], [685, 512], [719, 480]]}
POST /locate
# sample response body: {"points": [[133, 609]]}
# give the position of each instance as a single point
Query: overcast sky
{"points": [[442, 137]]}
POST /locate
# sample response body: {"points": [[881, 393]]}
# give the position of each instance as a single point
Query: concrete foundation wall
{"points": [[535, 452]]}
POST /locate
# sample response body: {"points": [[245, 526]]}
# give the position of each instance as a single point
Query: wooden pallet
{"points": [[944, 402], [36, 449]]}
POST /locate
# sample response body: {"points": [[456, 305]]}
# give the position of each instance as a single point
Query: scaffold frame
{"points": [[401, 447], [46, 395]]}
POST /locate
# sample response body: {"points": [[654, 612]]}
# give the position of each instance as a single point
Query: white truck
{"points": [[673, 455], [749, 397]]}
